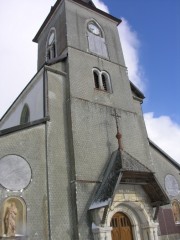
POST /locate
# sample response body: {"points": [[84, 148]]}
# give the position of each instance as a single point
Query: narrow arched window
{"points": [[102, 80], [51, 45], [25, 115], [106, 81], [96, 79], [96, 39]]}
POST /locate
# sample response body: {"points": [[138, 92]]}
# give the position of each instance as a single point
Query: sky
{"points": [[150, 37]]}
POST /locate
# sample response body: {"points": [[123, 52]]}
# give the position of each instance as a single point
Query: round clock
{"points": [[171, 185], [51, 38], [94, 29]]}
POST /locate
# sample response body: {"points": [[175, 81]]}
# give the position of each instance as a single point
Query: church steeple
{"points": [[89, 2], [59, 30]]}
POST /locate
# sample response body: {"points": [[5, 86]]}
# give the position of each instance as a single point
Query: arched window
{"points": [[96, 78], [176, 211], [102, 80], [106, 81], [25, 115], [96, 39], [51, 45]]}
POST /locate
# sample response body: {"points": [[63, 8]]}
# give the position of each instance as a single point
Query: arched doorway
{"points": [[121, 227]]}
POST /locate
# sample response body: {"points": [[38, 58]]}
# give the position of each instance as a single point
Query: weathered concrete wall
{"points": [[58, 159], [77, 17], [58, 21], [30, 145]]}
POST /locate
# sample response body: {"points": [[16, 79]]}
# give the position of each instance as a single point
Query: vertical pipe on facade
{"points": [[46, 149]]}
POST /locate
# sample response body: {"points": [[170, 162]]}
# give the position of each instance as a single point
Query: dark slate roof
{"points": [[136, 91], [87, 3], [125, 169]]}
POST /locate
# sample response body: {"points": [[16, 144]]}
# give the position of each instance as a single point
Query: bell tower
{"points": [[83, 41]]}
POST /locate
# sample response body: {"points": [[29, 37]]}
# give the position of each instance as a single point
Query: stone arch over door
{"points": [[134, 218], [143, 227], [16, 223]]}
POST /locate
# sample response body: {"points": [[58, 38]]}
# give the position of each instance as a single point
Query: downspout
{"points": [[46, 113]]}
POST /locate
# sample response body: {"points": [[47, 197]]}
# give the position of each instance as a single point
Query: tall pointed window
{"points": [[102, 80], [96, 39], [51, 45], [25, 115]]}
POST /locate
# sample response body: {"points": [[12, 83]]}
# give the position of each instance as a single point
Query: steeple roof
{"points": [[87, 3]]}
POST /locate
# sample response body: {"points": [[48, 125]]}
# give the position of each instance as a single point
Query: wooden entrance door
{"points": [[122, 229]]}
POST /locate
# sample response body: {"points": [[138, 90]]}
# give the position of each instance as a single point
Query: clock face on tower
{"points": [[93, 28]]}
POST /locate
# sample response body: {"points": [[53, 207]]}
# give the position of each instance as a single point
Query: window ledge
{"points": [[101, 90]]}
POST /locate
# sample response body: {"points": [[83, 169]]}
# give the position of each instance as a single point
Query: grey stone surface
{"points": [[30, 145], [59, 22]]}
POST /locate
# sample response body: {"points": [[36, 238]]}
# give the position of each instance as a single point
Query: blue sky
{"points": [[157, 24], [150, 36]]}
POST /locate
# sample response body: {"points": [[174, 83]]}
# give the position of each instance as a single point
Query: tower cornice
{"points": [[90, 6]]}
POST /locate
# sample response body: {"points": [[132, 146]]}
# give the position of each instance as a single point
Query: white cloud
{"points": [[130, 45], [18, 53], [165, 133], [99, 4]]}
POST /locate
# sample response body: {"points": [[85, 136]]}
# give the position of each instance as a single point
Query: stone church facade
{"points": [[75, 159]]}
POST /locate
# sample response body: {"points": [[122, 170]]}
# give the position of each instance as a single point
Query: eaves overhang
{"points": [[136, 91], [150, 185], [88, 5], [125, 169]]}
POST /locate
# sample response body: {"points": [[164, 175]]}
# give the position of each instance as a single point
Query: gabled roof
{"points": [[87, 3], [170, 159], [125, 169]]}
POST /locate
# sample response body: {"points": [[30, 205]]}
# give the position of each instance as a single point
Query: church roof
{"points": [[125, 169], [89, 2], [136, 91], [170, 159], [86, 3]]}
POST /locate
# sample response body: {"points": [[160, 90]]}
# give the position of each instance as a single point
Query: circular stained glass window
{"points": [[15, 172]]}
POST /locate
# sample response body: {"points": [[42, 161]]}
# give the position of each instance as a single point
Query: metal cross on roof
{"points": [[118, 135]]}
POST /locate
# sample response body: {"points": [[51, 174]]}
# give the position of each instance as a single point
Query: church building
{"points": [[76, 162]]}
